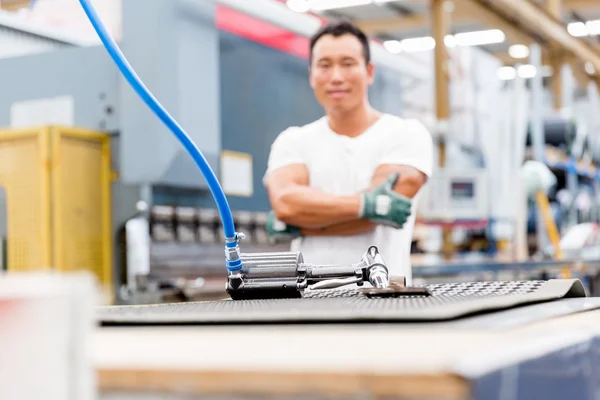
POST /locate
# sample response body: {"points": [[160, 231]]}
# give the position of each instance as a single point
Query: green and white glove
{"points": [[279, 230], [384, 206]]}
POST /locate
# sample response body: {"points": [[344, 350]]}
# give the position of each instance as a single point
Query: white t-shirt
{"points": [[341, 165]]}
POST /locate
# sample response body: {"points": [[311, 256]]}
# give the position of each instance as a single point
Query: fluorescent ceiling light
{"points": [[518, 51], [588, 28], [577, 29], [527, 71], [506, 73], [300, 6], [393, 46], [589, 68], [417, 44], [324, 5], [593, 27], [449, 41], [477, 38], [426, 43], [474, 38]]}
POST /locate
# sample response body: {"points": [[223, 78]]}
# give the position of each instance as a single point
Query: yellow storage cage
{"points": [[57, 182]]}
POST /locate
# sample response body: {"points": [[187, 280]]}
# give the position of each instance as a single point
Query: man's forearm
{"points": [[342, 229], [308, 207]]}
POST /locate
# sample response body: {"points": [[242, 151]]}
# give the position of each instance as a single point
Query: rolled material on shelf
{"points": [[558, 132]]}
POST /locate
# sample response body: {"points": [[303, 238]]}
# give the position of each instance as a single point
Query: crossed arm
{"points": [[320, 213]]}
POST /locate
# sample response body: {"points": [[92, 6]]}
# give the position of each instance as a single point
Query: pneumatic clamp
{"points": [[286, 275]]}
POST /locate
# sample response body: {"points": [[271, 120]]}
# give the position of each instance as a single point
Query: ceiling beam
{"points": [[553, 7], [13, 5], [579, 3], [492, 20], [441, 27], [407, 23], [464, 11], [385, 25], [579, 74], [542, 24]]}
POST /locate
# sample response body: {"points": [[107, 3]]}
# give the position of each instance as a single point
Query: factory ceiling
{"points": [[567, 29]]}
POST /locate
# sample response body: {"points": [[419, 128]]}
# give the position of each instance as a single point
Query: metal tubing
{"points": [[330, 271], [271, 265]]}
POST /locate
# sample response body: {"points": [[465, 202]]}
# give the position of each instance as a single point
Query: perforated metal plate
{"points": [[449, 301], [460, 289]]}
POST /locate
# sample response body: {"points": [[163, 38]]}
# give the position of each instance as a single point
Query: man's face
{"points": [[338, 74]]}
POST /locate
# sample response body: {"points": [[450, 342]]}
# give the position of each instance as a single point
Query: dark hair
{"points": [[339, 28]]}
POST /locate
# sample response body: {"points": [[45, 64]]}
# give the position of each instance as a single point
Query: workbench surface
{"points": [[550, 350]]}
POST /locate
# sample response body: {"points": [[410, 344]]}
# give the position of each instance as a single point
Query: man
{"points": [[350, 179]]}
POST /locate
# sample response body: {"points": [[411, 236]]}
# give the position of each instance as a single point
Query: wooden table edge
{"points": [[194, 382]]}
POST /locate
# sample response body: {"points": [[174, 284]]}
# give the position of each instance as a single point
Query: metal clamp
{"points": [[285, 275]]}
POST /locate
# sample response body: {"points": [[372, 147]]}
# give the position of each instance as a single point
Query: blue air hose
{"points": [[136, 83]]}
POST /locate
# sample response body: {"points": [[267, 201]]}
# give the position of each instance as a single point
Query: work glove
{"points": [[279, 230], [384, 206]]}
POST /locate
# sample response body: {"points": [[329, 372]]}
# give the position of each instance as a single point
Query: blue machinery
{"points": [[260, 275]]}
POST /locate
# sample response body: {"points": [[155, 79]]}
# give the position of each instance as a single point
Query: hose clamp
{"points": [[236, 239]]}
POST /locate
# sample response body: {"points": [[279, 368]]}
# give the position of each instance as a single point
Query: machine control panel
{"points": [[456, 194]]}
